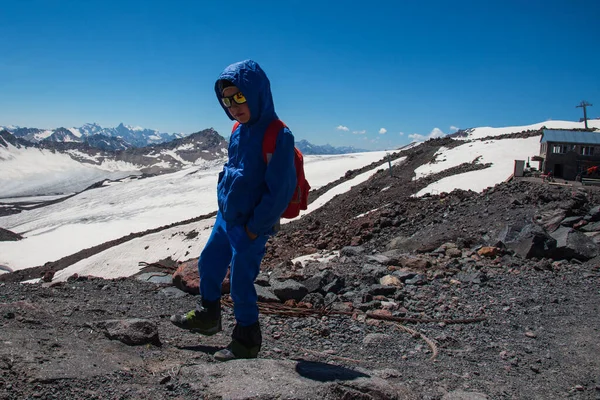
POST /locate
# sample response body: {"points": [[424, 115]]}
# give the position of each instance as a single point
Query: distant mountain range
{"points": [[97, 149], [125, 137], [119, 138], [312, 149]]}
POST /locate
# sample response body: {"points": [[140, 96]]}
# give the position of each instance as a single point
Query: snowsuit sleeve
{"points": [[280, 180]]}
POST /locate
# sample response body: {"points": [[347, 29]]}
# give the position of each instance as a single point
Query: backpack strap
{"points": [[270, 138]]}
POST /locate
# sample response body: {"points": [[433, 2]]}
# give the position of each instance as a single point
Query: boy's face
{"points": [[241, 112]]}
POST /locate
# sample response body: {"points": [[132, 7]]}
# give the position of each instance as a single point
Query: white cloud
{"points": [[435, 133], [342, 128], [454, 128], [360, 132], [382, 131], [401, 133]]}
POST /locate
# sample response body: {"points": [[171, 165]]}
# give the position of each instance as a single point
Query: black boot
{"points": [[246, 342], [205, 319]]}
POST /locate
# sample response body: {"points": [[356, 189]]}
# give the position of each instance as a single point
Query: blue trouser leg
{"points": [[245, 266], [214, 261]]}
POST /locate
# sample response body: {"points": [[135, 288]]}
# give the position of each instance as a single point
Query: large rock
{"points": [[186, 277], [573, 244], [317, 282], [551, 219], [132, 332], [286, 379], [531, 241], [289, 290], [265, 294]]}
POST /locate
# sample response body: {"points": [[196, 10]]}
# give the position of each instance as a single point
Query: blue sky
{"points": [[409, 67]]}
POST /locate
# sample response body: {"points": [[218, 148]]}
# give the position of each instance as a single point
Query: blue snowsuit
{"points": [[250, 193]]}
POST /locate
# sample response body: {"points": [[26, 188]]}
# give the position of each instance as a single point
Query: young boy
{"points": [[252, 195]]}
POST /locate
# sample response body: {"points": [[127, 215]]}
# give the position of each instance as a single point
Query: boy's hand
{"points": [[251, 235]]}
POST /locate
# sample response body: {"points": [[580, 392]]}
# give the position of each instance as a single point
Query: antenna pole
{"points": [[583, 105]]}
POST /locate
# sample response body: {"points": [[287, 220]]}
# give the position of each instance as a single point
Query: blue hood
{"points": [[252, 81]]}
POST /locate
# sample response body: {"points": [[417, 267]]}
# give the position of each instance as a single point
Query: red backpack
{"points": [[299, 200]]}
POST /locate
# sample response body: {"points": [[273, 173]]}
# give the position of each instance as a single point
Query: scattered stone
{"points": [[351, 251], [373, 272], [132, 332], [462, 395], [476, 277], [156, 277], [381, 289], [543, 265], [48, 276], [416, 280], [378, 258], [489, 251], [390, 280], [570, 221], [453, 252], [173, 292], [316, 299], [335, 286], [376, 338], [594, 214], [415, 263], [404, 274]]}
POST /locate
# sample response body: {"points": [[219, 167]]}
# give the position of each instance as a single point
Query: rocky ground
{"points": [[458, 296]]}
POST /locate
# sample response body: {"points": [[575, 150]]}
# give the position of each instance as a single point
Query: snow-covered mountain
{"points": [[124, 136], [50, 167], [130, 136], [116, 208]]}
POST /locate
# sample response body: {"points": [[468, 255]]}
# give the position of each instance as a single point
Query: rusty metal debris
{"points": [[288, 311]]}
